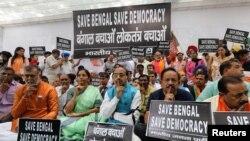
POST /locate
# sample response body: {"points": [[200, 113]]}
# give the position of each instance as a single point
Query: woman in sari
{"points": [[80, 108]]}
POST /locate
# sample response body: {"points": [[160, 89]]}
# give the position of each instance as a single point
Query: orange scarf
{"points": [[159, 66], [222, 106], [197, 91]]}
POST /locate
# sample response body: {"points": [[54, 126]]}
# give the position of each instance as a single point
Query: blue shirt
{"points": [[212, 90]]}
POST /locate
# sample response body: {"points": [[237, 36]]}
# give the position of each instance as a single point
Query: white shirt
{"points": [[49, 71], [62, 99], [157, 86], [145, 63], [108, 107], [67, 67]]}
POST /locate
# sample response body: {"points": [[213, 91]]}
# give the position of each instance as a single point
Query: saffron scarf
{"points": [[197, 91], [159, 65], [222, 106]]}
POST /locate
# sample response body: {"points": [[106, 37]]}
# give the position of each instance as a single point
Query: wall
{"points": [[36, 35], [1, 38], [208, 23], [188, 25], [41, 35]]}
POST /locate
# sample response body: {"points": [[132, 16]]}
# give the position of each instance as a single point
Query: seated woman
{"points": [[80, 108]]}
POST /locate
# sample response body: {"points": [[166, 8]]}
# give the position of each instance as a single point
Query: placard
{"points": [[208, 45], [236, 36], [164, 45], [37, 50], [108, 132], [112, 28], [63, 44], [247, 46], [123, 56], [179, 120], [232, 118], [38, 130], [138, 52], [95, 81], [150, 50]]}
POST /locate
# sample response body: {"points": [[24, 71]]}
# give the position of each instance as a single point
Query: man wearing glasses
{"points": [[8, 87], [170, 92], [232, 95], [121, 100], [62, 92], [35, 99]]}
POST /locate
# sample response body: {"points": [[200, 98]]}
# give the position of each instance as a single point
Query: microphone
{"points": [[98, 104]]}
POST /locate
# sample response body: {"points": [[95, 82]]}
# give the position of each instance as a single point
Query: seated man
{"points": [[35, 99], [170, 90], [200, 83], [145, 90], [8, 87], [104, 78], [62, 92], [152, 80], [121, 101], [231, 67], [232, 95]]}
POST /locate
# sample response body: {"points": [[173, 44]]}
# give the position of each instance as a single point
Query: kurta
{"points": [[116, 110], [144, 100], [84, 102], [43, 104]]}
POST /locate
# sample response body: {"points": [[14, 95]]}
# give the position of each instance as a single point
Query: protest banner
{"points": [[179, 120], [38, 130], [117, 27], [108, 132], [208, 45]]}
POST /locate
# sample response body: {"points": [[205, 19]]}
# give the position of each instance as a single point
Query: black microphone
{"points": [[98, 104]]}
